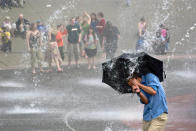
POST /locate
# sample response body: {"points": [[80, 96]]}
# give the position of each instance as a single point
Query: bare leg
{"points": [[33, 59], [93, 63], [49, 66], [57, 64]]}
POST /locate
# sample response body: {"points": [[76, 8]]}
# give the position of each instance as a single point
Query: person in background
{"points": [[100, 28], [1, 31], [140, 45], [84, 30], [167, 40], [52, 53], [59, 39], [33, 39], [22, 24], [6, 40], [165, 36], [163, 32], [21, 3], [152, 95], [91, 40], [6, 4], [94, 22], [142, 26], [159, 44], [78, 21], [43, 31], [14, 3], [74, 37], [111, 35], [7, 24], [128, 2]]}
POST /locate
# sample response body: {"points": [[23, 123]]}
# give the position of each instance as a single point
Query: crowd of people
{"points": [[82, 36], [8, 30], [159, 45], [12, 3]]}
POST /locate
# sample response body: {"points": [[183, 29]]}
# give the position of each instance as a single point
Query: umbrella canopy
{"points": [[117, 70]]}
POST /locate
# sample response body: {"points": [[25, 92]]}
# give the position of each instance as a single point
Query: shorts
{"points": [[156, 124]]}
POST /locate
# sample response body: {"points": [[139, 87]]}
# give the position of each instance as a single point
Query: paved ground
{"points": [[76, 99]]}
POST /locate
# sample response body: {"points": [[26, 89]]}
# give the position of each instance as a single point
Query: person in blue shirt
{"points": [[128, 2], [152, 95]]}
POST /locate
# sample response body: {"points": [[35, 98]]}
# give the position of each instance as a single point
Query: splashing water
{"points": [[59, 14], [11, 84], [92, 82], [21, 110]]}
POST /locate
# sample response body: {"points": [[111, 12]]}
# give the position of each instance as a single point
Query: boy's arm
{"points": [[143, 98], [147, 89]]}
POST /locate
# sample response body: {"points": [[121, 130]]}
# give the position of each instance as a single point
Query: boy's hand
{"points": [[135, 89], [133, 82], [130, 82]]}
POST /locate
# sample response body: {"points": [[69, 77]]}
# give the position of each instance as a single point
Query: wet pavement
{"points": [[77, 100]]}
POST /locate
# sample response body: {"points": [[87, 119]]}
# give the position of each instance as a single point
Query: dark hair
{"points": [[136, 75], [109, 24], [109, 28], [93, 14], [142, 19], [161, 26], [58, 26], [32, 26], [101, 14], [94, 35], [77, 18]]}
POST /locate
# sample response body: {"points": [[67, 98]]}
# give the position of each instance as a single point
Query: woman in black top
{"points": [[111, 35]]}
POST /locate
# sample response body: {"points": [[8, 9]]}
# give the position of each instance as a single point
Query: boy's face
{"points": [[132, 81]]}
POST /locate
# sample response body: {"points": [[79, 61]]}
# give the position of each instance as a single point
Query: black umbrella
{"points": [[117, 70]]}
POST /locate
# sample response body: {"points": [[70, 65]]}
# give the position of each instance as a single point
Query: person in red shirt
{"points": [[59, 39], [100, 28]]}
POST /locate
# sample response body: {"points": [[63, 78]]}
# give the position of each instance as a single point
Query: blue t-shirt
{"points": [[157, 104]]}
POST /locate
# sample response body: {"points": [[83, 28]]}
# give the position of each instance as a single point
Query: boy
{"points": [[59, 39], [152, 94], [74, 37], [6, 40]]}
